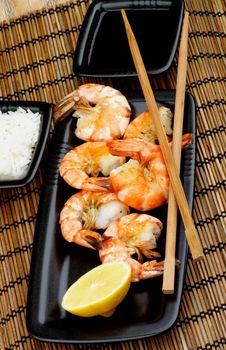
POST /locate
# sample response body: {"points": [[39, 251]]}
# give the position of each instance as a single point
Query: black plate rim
{"points": [[42, 334], [46, 111], [80, 67]]}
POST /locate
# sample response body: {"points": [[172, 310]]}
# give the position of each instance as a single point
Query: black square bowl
{"points": [[45, 109], [102, 49]]}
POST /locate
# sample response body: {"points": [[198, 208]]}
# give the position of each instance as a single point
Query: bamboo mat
{"points": [[15, 8], [36, 53]]}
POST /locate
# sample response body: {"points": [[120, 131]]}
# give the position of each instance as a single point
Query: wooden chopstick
{"points": [[171, 228], [191, 233]]}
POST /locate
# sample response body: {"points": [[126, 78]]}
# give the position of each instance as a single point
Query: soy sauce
{"points": [[153, 30]]}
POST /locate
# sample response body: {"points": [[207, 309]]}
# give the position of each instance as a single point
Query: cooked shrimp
{"points": [[103, 112], [114, 249], [142, 182], [139, 231], [89, 158], [142, 127], [85, 212]]}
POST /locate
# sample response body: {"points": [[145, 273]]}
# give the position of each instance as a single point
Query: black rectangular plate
{"points": [[56, 264], [103, 50]]}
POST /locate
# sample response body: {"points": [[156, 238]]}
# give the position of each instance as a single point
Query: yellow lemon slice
{"points": [[99, 291]]}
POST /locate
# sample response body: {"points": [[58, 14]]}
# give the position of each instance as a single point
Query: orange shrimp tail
{"points": [[65, 107], [88, 239], [149, 269], [128, 147], [186, 140], [97, 184], [133, 147], [150, 253]]}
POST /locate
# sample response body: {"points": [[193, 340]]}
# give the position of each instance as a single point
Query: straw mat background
{"points": [[36, 53], [16, 8]]}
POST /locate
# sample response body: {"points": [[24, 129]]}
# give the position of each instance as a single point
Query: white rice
{"points": [[19, 132]]}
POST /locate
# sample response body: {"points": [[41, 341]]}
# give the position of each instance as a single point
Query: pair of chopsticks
{"points": [[177, 195]]}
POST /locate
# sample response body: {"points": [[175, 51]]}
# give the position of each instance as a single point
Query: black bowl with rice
{"points": [[24, 129]]}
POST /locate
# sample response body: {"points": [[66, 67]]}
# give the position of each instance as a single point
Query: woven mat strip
{"points": [[36, 55]]}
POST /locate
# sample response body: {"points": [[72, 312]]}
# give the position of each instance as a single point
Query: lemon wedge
{"points": [[99, 291]]}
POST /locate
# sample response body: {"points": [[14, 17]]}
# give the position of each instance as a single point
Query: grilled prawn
{"points": [[103, 112]]}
